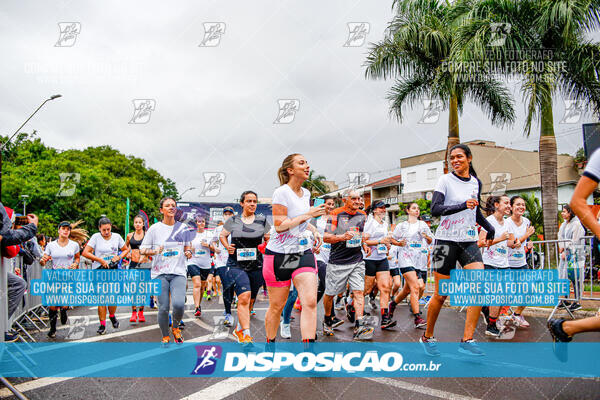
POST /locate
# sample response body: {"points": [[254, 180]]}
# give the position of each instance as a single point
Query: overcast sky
{"points": [[215, 105]]}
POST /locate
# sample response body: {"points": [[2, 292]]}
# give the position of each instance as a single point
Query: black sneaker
{"points": [[575, 306], [198, 312], [338, 303], [350, 313], [363, 331], [335, 322], [52, 332], [470, 348], [114, 321], [485, 311], [181, 325], [327, 329], [430, 346], [101, 330], [391, 308], [492, 330], [63, 316], [387, 322], [556, 330]]}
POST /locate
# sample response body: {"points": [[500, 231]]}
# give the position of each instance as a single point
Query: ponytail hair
{"points": [[490, 205], [282, 173], [78, 235]]}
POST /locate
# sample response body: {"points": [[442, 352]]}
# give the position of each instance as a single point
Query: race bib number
{"points": [[353, 242], [303, 242], [415, 245], [382, 249], [472, 234], [501, 251], [519, 255], [107, 257], [200, 252], [326, 246], [246, 254], [169, 253]]}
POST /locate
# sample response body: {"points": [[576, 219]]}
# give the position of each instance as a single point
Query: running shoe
{"points": [[363, 331], [470, 347], [350, 313], [134, 317], [505, 310], [63, 316], [239, 335], [387, 322], [247, 340], [101, 330], [165, 341], [141, 317], [11, 336], [492, 330], [198, 312], [285, 331], [181, 325], [51, 333], [177, 336], [521, 321], [115, 322], [372, 303], [391, 308], [557, 332], [335, 322], [208, 295], [252, 313], [205, 295], [152, 304], [429, 345], [327, 329], [420, 322], [338, 303], [573, 307], [228, 321]]}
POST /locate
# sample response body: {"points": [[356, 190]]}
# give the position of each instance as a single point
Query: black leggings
{"points": [[322, 267]]}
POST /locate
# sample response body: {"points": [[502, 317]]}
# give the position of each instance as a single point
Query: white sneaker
{"points": [[284, 330], [522, 322]]}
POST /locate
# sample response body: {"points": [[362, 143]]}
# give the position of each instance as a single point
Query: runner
{"points": [[561, 330], [133, 242], [571, 253], [103, 249], [376, 263], [519, 229], [345, 233], [244, 262], [456, 201], [495, 255], [322, 252], [289, 256], [64, 253], [168, 242], [199, 265], [221, 256], [412, 238], [394, 272]]}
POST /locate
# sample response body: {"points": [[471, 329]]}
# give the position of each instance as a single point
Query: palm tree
{"points": [[535, 213], [315, 184], [416, 52], [548, 48]]}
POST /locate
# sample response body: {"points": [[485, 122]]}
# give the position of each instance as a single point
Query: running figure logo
{"points": [[500, 30], [431, 111], [142, 109], [212, 34], [207, 359], [68, 34], [212, 184], [358, 179], [68, 183], [357, 34], [287, 111], [499, 182], [77, 327], [573, 112]]}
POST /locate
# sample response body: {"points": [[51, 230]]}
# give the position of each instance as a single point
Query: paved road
{"points": [[448, 328]]}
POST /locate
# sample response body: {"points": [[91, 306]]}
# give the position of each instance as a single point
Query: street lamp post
{"points": [[56, 96], [24, 197]]}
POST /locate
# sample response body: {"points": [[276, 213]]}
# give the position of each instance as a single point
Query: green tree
{"points": [[424, 207], [548, 48], [80, 184], [315, 184], [534, 212], [416, 52]]}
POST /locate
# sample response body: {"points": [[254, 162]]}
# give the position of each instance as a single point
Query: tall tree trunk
{"points": [[548, 172], [453, 137]]}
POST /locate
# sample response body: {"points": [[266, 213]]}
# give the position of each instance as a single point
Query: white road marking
{"points": [[421, 389], [222, 389]]}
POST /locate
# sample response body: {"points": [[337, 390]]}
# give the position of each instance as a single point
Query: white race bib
{"points": [[382, 249], [200, 252], [168, 253], [517, 255], [246, 254], [353, 242], [472, 233], [326, 246], [108, 257]]}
